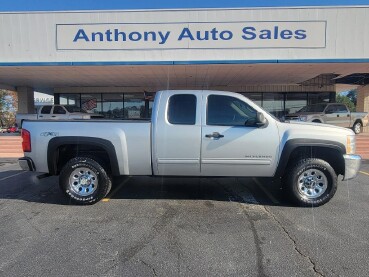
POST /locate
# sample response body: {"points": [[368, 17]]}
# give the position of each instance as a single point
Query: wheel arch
{"points": [[72, 147], [295, 149]]}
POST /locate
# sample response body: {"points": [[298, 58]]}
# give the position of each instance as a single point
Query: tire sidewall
{"points": [[102, 177], [329, 173], [354, 127]]}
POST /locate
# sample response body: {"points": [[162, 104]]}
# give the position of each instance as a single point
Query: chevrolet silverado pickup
{"points": [[331, 113], [56, 112], [193, 133]]}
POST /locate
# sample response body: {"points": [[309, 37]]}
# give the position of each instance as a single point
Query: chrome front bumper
{"points": [[352, 166], [26, 164]]}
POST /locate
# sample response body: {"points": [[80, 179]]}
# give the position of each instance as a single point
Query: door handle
{"points": [[53, 116], [40, 116], [214, 135]]}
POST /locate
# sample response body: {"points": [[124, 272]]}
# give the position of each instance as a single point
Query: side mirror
{"points": [[260, 119]]}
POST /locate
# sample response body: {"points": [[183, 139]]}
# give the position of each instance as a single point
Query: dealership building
{"points": [[113, 62]]}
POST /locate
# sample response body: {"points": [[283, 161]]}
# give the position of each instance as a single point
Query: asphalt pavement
{"points": [[180, 227]]}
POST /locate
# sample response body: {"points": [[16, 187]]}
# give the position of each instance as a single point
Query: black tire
{"points": [[84, 181], [358, 126], [310, 182]]}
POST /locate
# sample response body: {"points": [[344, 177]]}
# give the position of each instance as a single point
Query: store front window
{"points": [[295, 101], [134, 106], [274, 103], [112, 106]]}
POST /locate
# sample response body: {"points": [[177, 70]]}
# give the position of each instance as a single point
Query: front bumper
{"points": [[352, 166], [27, 164]]}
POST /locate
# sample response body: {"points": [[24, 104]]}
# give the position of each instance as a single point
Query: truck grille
{"points": [[291, 117]]}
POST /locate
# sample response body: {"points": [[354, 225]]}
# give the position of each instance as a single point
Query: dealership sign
{"points": [[204, 35]]}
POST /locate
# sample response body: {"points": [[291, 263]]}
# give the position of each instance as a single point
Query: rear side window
{"points": [[46, 109], [182, 109], [59, 110], [341, 109]]}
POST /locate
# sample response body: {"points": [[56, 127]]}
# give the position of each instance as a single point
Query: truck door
{"points": [[338, 115], [344, 119], [232, 144], [177, 135]]}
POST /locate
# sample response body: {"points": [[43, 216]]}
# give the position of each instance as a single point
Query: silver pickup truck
{"points": [[193, 133], [331, 113]]}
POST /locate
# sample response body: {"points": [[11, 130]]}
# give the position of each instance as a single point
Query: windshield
{"points": [[316, 108], [74, 109]]}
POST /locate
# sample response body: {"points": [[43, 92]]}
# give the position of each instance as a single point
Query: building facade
{"points": [[113, 62]]}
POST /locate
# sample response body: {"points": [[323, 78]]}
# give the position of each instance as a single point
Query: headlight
{"points": [[303, 118], [351, 144], [85, 117]]}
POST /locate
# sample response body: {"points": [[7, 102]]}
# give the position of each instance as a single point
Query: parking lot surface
{"points": [[180, 227]]}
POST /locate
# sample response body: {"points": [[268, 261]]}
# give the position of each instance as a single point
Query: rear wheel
{"points": [[311, 182], [357, 127], [84, 180]]}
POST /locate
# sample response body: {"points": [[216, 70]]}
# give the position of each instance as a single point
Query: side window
{"points": [[59, 110], [182, 109], [330, 109], [46, 109], [229, 111], [341, 109]]}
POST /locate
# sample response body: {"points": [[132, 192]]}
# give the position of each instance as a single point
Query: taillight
{"points": [[26, 143]]}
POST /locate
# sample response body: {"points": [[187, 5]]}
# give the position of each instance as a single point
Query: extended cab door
{"points": [[177, 134], [232, 143], [337, 114]]}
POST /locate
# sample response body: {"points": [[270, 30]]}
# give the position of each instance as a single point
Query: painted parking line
{"points": [[16, 174], [363, 172], [266, 192], [107, 198]]}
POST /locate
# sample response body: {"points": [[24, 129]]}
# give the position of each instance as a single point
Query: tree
{"points": [[347, 101], [8, 107], [352, 95]]}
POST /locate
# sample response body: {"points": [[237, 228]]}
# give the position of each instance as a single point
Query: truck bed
{"points": [[130, 138]]}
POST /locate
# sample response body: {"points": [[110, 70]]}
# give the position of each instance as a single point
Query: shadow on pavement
{"points": [[26, 186]]}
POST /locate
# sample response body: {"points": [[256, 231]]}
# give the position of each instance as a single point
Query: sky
{"points": [[59, 5]]}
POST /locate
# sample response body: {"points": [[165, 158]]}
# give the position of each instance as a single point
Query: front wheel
{"points": [[311, 182], [357, 127], [84, 181]]}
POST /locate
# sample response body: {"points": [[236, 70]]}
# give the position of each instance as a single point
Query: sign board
{"points": [[192, 35]]}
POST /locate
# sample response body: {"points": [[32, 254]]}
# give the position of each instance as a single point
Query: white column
{"points": [[363, 101], [26, 102]]}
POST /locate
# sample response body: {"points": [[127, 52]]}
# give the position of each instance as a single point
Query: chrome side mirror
{"points": [[260, 119]]}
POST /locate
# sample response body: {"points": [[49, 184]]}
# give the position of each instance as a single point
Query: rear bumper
{"points": [[352, 166], [26, 164]]}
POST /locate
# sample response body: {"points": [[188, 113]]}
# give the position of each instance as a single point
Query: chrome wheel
{"points": [[357, 128], [83, 181], [312, 183]]}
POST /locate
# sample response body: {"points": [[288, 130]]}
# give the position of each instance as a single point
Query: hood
{"points": [[320, 127]]}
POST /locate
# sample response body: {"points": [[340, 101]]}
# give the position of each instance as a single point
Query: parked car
{"points": [[56, 112], [12, 129], [3, 129], [331, 113]]}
